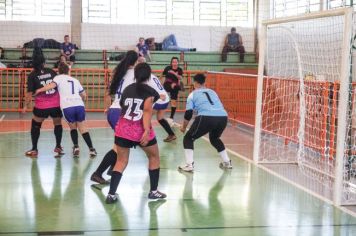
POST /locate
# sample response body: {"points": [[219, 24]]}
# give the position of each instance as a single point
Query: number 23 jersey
{"points": [[130, 125], [38, 79]]}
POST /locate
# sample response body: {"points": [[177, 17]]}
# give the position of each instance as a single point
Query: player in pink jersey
{"points": [[134, 129], [72, 95], [46, 104], [123, 75]]}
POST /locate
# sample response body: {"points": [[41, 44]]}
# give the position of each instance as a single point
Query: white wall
{"points": [[99, 36], [16, 33], [104, 36]]}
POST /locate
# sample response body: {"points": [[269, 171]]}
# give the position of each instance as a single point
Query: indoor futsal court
{"points": [[280, 74], [49, 196]]}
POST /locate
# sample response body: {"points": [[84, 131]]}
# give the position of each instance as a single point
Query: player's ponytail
{"points": [[38, 62], [142, 75], [121, 69]]}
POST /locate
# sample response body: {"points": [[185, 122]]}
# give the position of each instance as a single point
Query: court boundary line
{"points": [[45, 130], [342, 208], [182, 229], [2, 117]]}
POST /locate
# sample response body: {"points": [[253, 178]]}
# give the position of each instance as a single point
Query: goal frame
{"points": [[344, 83]]}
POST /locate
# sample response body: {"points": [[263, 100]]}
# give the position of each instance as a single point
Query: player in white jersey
{"points": [[72, 95], [160, 106], [123, 76]]}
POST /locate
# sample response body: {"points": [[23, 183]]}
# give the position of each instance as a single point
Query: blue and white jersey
{"points": [[205, 102], [154, 83], [69, 90], [128, 79]]}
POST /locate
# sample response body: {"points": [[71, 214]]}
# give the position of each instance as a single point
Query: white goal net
{"points": [[306, 89]]}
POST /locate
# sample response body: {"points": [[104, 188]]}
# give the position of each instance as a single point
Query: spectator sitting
{"points": [[170, 44], [62, 58], [143, 49], [233, 43], [68, 50]]}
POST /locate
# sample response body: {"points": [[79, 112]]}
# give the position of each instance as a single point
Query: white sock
{"points": [[189, 156], [224, 156]]}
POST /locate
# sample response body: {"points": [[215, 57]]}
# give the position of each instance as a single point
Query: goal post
{"points": [[304, 97]]}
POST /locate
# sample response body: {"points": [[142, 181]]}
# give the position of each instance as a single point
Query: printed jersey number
{"points": [[208, 97], [44, 83], [72, 84], [130, 102], [159, 85]]}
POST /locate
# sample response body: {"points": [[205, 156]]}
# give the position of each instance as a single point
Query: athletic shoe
{"points": [[187, 168], [98, 179], [170, 121], [170, 138], [110, 199], [93, 152], [76, 151], [31, 153], [59, 150], [156, 195], [225, 165]]}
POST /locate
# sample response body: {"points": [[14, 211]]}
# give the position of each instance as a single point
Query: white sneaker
{"points": [[76, 151], [92, 152], [170, 122], [225, 165], [186, 168]]}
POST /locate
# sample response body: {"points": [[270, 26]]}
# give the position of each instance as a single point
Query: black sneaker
{"points": [[98, 179], [110, 199], [156, 195]]}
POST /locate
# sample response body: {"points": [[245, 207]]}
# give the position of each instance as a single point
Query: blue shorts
{"points": [[160, 106], [74, 114], [113, 116]]}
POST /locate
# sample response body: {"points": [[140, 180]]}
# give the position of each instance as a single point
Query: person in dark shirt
{"points": [[46, 104], [233, 43], [173, 84], [134, 129], [68, 50]]}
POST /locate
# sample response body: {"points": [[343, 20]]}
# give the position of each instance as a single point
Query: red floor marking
{"points": [[25, 125]]}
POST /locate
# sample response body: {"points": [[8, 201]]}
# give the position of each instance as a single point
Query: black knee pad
{"points": [[35, 124]]}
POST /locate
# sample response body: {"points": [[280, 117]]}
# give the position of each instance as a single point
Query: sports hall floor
{"points": [[49, 196]]}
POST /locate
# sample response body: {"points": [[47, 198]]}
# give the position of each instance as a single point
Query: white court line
{"points": [[344, 209], [2, 117]]}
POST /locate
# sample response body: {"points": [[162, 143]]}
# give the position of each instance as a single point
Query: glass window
{"points": [[282, 8], [170, 12], [155, 12], [32, 10], [183, 12]]}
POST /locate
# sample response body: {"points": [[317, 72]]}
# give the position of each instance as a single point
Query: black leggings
{"points": [[214, 125], [173, 92]]}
